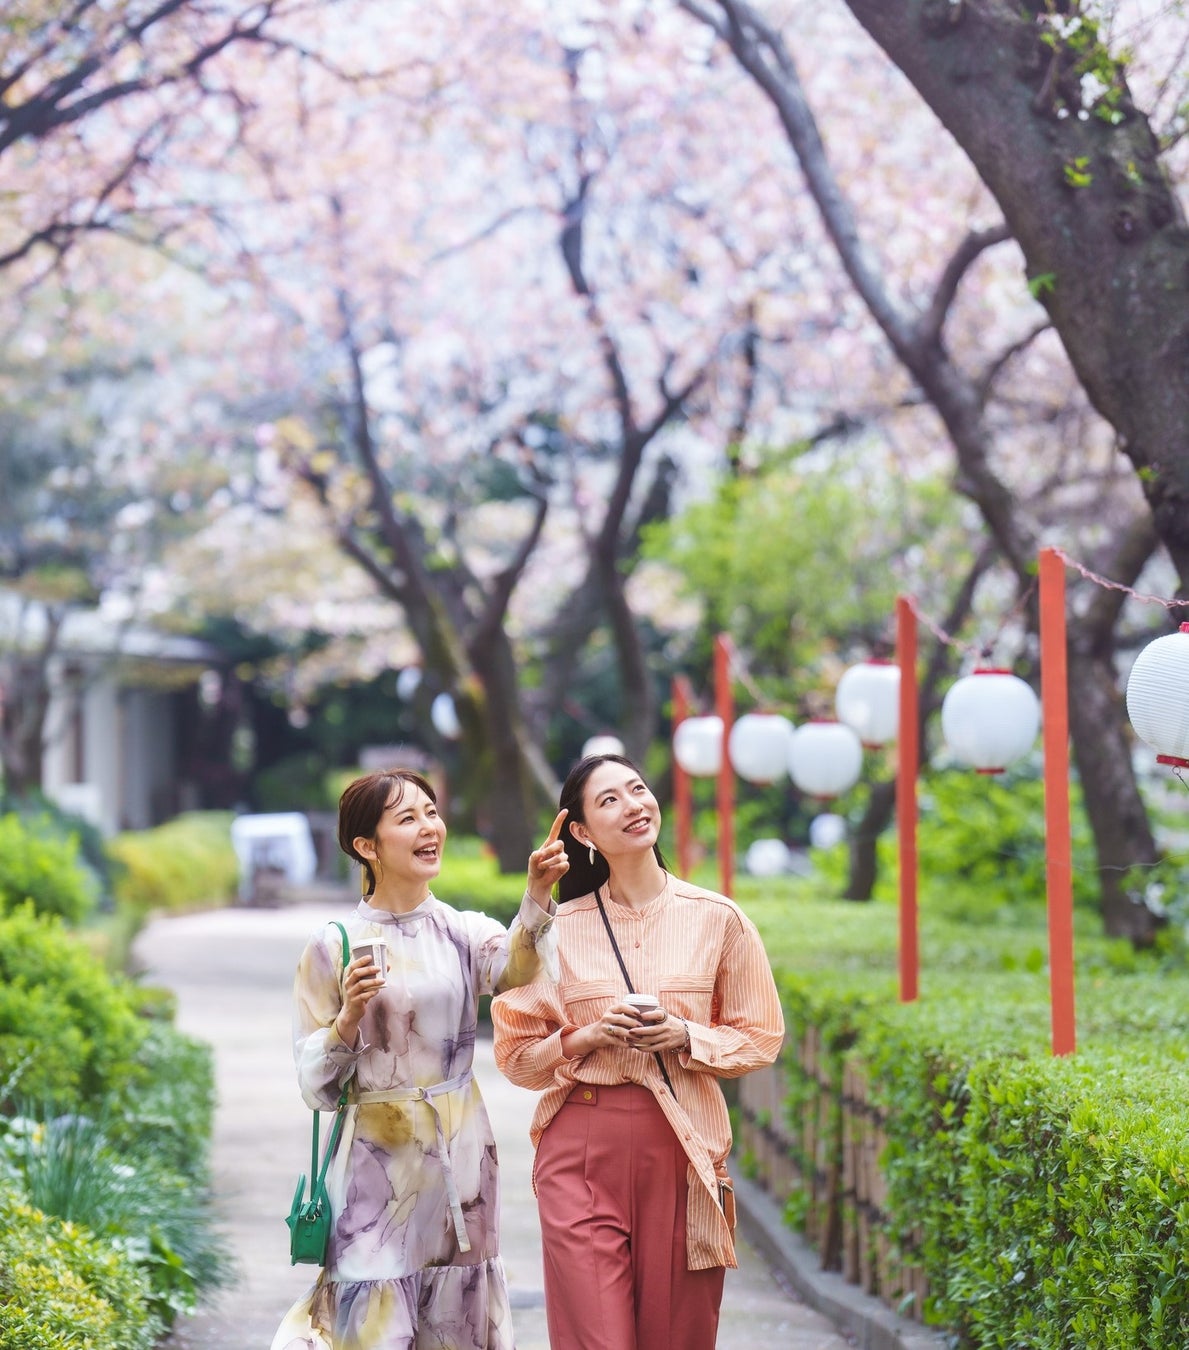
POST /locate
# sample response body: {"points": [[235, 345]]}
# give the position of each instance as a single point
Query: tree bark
{"points": [[1109, 256], [1102, 753]]}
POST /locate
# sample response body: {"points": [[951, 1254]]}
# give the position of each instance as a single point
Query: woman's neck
{"points": [[634, 883], [398, 899]]}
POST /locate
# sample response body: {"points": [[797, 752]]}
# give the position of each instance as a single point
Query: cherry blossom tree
{"points": [[925, 334], [96, 95], [440, 448]]}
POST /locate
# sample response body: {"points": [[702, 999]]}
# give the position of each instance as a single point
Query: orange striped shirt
{"points": [[703, 958]]}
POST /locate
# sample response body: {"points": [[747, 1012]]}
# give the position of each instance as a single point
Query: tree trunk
{"points": [[1106, 246], [881, 807], [1122, 835], [504, 788]]}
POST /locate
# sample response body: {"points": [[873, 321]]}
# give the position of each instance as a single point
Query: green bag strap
{"points": [[332, 1142]]}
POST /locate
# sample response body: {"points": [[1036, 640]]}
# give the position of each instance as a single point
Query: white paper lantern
{"points": [[825, 758], [868, 700], [697, 746], [758, 747], [1158, 697], [826, 830], [444, 716], [767, 858], [989, 719], [603, 745]]}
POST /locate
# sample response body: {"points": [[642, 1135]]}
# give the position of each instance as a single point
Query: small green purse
{"points": [[309, 1220]]}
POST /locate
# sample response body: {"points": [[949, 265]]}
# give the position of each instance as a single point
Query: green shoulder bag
{"points": [[309, 1219]]}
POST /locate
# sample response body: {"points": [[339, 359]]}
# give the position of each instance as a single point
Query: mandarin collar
{"points": [[658, 901], [374, 915]]}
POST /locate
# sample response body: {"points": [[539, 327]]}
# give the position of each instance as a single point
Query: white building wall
{"points": [[149, 752]]}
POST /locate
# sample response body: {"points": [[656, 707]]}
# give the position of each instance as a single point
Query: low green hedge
{"points": [[1047, 1199], [105, 1123], [186, 862]]}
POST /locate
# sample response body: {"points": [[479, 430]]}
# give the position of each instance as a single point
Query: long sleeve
{"points": [[507, 958], [324, 1062], [528, 1035], [748, 1026]]}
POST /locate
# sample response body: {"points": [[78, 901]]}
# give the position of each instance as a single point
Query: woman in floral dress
{"points": [[413, 1260]]}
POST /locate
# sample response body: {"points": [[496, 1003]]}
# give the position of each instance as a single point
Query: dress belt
{"points": [[427, 1095]]}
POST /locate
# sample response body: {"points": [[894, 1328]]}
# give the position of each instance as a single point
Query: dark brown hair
{"points": [[585, 876], [362, 805]]}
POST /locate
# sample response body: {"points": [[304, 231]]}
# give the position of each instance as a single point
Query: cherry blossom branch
{"points": [[972, 247]]}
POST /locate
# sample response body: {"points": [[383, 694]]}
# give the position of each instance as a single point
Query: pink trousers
{"points": [[611, 1190]]}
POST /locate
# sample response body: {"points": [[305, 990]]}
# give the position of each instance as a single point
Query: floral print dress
{"points": [[414, 1257]]}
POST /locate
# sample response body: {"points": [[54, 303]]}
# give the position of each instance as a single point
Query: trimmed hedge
{"points": [[1046, 1199], [186, 862]]}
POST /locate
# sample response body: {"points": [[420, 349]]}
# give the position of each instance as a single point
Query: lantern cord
{"points": [[1117, 585], [979, 650]]}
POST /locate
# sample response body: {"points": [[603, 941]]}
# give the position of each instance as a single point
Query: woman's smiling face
{"points": [[409, 838], [620, 813]]}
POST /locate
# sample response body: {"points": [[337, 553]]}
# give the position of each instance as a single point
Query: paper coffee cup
{"points": [[375, 950], [642, 1003]]}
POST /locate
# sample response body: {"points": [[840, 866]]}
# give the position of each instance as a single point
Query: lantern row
{"points": [[989, 719]]}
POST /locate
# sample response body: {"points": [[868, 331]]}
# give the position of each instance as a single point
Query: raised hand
{"points": [[548, 864]]}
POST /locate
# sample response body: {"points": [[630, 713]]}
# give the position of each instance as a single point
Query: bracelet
{"points": [[689, 1045]]}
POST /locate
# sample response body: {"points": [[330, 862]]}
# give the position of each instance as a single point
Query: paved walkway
{"points": [[232, 971]]}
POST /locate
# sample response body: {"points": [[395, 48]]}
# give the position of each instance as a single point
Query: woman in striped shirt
{"points": [[632, 1128]]}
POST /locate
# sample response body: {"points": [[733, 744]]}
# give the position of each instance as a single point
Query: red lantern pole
{"points": [[682, 788], [1054, 689], [724, 707], [906, 796]]}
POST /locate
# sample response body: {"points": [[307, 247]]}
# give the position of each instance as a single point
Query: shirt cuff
{"points": [[703, 1048]]}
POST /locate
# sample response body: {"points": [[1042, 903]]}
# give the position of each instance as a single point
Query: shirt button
{"points": [[637, 944]]}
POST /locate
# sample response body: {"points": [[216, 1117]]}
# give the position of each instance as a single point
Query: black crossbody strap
{"points": [[332, 1142], [627, 979]]}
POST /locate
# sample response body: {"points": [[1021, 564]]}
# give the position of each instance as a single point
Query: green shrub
{"points": [[981, 845], [71, 1169], [69, 1033], [170, 1108], [188, 861], [61, 1289], [45, 817], [39, 865]]}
